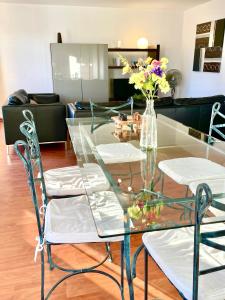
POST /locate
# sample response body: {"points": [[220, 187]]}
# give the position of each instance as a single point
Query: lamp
{"points": [[142, 43]]}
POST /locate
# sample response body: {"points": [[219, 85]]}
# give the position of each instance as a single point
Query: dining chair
{"points": [[218, 190], [68, 181], [106, 112], [61, 220], [192, 258], [185, 170]]}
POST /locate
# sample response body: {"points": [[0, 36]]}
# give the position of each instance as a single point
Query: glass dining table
{"points": [[132, 201]]}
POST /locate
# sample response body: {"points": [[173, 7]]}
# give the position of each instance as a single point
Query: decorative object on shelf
{"points": [[59, 38], [142, 43], [153, 51], [149, 78], [117, 61], [174, 77], [119, 44], [209, 46]]}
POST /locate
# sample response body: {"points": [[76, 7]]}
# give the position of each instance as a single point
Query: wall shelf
{"points": [[150, 50], [153, 52], [120, 67], [115, 67]]}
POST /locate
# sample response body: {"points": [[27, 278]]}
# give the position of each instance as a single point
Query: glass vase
{"points": [[148, 138]]}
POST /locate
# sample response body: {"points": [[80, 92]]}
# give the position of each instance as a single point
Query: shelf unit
{"points": [[153, 52]]}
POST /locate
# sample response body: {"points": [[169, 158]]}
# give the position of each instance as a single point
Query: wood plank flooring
{"points": [[20, 276]]}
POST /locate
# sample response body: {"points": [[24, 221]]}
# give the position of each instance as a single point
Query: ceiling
{"points": [[154, 4]]}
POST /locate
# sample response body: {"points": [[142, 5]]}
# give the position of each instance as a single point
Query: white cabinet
{"points": [[80, 71]]}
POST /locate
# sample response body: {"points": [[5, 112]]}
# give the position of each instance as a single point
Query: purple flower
{"points": [[157, 71]]}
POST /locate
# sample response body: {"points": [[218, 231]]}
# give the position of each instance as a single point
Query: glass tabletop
{"points": [[126, 198]]}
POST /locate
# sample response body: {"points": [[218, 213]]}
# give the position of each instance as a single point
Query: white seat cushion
{"points": [[173, 252], [119, 153], [69, 220], [188, 169], [217, 187], [68, 181]]}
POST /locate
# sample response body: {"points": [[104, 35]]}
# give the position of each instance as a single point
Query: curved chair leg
{"points": [[108, 250], [134, 262], [146, 275]]}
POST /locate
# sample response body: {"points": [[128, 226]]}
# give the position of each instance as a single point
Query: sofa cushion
{"points": [[165, 101], [19, 97], [33, 102], [44, 98], [200, 100]]}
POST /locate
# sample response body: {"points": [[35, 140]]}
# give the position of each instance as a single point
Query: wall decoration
{"points": [[209, 46]]}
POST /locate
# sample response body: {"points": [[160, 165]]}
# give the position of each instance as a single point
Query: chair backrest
{"points": [[30, 154], [106, 112], [204, 199], [216, 127], [28, 129], [23, 151], [28, 116]]}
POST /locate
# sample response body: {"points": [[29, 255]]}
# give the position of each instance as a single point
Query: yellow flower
{"points": [[164, 86], [164, 61], [148, 60], [149, 67], [137, 79], [155, 77], [127, 69], [134, 212], [148, 86]]}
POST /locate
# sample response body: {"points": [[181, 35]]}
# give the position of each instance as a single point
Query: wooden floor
{"points": [[20, 276]]}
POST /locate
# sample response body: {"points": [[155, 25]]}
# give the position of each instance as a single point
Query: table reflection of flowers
{"points": [[143, 211]]}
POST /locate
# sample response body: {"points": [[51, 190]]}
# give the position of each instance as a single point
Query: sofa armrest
{"points": [[71, 110], [49, 119]]}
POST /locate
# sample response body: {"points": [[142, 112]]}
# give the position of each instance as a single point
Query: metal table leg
{"points": [[128, 265]]}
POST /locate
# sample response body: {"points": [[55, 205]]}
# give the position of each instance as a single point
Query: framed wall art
{"points": [[209, 46]]}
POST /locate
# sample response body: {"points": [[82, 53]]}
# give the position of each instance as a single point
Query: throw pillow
{"points": [[19, 97], [45, 98]]}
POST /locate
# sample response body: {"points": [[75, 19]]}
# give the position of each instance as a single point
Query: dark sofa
{"points": [[192, 112], [49, 116]]}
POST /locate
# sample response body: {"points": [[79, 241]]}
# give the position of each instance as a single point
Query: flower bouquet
{"points": [[148, 76]]}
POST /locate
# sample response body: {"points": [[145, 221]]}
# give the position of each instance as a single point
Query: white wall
{"points": [[27, 30], [201, 83]]}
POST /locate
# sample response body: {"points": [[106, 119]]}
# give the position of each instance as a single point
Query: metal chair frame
{"points": [[216, 112], [107, 112], [30, 155], [210, 140], [203, 201]]}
